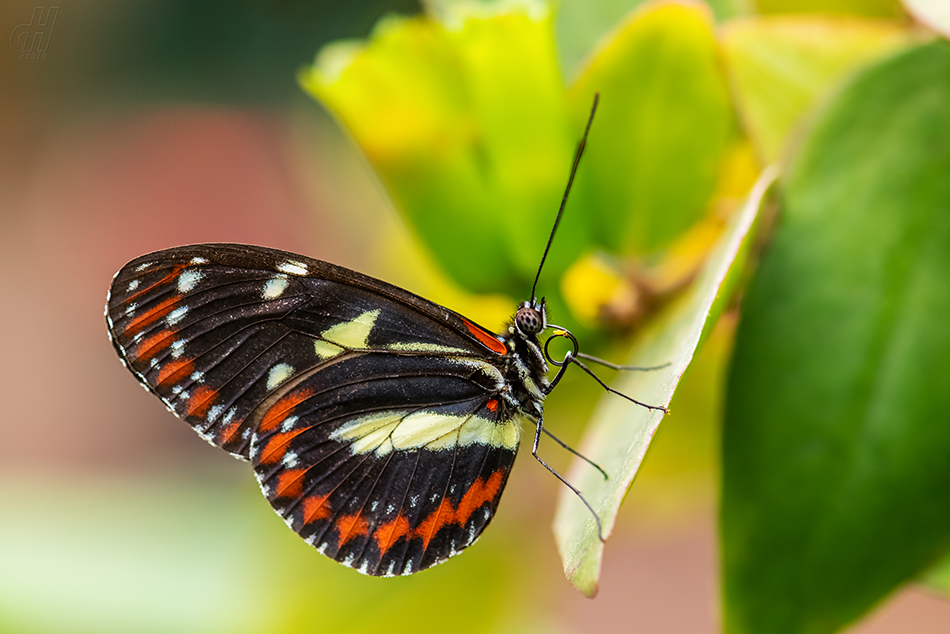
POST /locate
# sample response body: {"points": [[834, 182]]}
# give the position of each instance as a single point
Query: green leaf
{"points": [[661, 130], [463, 116], [620, 431], [836, 443], [938, 577], [782, 66]]}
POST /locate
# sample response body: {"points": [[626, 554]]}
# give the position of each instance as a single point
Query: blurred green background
{"points": [[159, 123]]}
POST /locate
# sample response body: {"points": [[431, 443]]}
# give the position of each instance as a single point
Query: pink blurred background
{"points": [[93, 174]]}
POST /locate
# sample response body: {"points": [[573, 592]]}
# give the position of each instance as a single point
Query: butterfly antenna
{"points": [[570, 181]]}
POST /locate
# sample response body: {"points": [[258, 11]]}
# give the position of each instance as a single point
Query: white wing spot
{"points": [[177, 389], [177, 348], [198, 377], [245, 433], [310, 539], [142, 267], [134, 284], [229, 415], [138, 336], [197, 260], [365, 567], [131, 309], [176, 315], [278, 374], [188, 280], [348, 562], [390, 509], [323, 548], [214, 412], [293, 267], [288, 423], [392, 567], [275, 287], [413, 500], [374, 505], [290, 459]]}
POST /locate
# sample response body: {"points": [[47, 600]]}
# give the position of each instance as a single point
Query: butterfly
{"points": [[381, 426]]}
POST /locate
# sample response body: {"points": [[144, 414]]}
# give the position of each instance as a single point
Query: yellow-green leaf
{"points": [[463, 117], [662, 128], [782, 66], [620, 431], [869, 8]]}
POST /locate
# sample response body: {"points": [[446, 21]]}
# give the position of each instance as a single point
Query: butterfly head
{"points": [[531, 318]]}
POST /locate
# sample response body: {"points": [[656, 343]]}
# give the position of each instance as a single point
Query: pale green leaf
{"points": [[782, 66], [620, 431]]}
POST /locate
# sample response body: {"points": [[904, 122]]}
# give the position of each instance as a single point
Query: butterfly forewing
{"points": [[372, 416]]}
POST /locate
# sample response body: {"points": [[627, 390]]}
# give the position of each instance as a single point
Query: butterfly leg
{"points": [[569, 358], [534, 452], [576, 453], [614, 366]]}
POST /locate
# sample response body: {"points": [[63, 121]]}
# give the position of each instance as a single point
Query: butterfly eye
{"points": [[528, 320]]}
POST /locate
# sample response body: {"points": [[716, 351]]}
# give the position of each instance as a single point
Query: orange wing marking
{"points": [[175, 272], [479, 493], [279, 410], [351, 526], [488, 339], [389, 533], [315, 508], [443, 515], [173, 371], [200, 402], [276, 447], [289, 483], [151, 315], [151, 346], [226, 434]]}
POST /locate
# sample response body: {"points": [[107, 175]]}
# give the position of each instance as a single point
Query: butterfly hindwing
{"points": [[369, 413], [390, 491]]}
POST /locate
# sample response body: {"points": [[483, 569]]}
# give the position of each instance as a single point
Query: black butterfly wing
{"points": [[391, 491], [369, 413]]}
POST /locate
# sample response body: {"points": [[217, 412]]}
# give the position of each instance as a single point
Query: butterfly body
{"points": [[381, 426]]}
